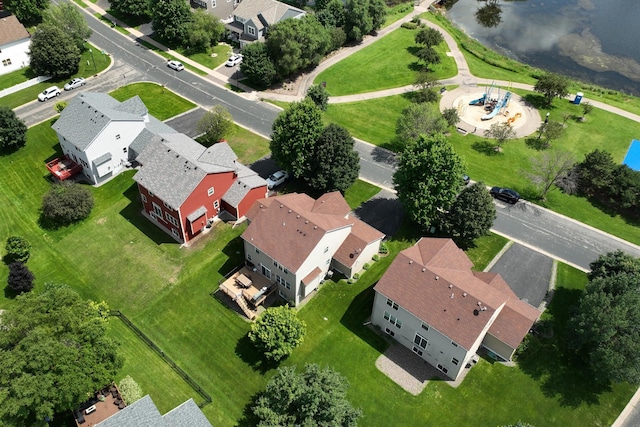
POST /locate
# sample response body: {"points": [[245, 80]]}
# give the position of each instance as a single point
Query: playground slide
{"points": [[479, 101], [499, 106]]}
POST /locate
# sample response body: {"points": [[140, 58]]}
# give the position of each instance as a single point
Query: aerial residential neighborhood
{"points": [[256, 213]]}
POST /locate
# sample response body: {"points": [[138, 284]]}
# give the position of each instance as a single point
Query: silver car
{"points": [[75, 83]]}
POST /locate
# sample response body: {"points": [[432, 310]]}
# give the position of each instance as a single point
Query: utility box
{"points": [[578, 98]]}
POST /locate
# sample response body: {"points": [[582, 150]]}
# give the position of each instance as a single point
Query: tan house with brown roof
{"points": [[14, 44], [294, 240], [431, 302]]}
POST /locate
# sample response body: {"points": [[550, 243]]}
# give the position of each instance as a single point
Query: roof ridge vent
{"points": [[424, 269], [450, 286], [451, 296], [479, 303], [289, 211], [464, 294], [437, 277], [410, 261]]}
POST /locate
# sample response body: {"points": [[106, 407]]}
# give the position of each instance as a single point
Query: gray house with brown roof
{"points": [[252, 19], [293, 240], [431, 302], [14, 44]]}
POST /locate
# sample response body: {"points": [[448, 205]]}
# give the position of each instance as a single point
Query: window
{"points": [[118, 136], [175, 232], [392, 304], [266, 272], [157, 210], [249, 257], [417, 351], [393, 320], [328, 261], [144, 199], [275, 263], [257, 251], [6, 62], [172, 220], [285, 271], [420, 341], [287, 285], [389, 331], [453, 343], [166, 205], [326, 249], [216, 204], [213, 3], [210, 191], [442, 368], [124, 149], [251, 31], [455, 361], [425, 326], [150, 193]]}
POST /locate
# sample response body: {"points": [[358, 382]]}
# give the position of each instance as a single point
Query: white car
{"points": [[234, 60], [48, 93], [75, 83], [276, 179], [175, 65]]}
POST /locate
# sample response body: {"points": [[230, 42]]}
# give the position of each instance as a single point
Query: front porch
{"points": [[63, 168], [249, 290]]}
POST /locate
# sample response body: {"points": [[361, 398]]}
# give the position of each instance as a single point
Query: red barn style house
{"points": [[185, 186]]}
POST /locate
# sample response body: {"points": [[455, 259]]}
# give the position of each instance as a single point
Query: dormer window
{"points": [[251, 31]]}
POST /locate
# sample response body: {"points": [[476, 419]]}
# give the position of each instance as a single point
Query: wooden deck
{"points": [[249, 289], [103, 405]]}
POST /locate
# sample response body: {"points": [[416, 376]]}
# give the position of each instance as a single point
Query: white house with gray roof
{"points": [[252, 18], [184, 186], [144, 413], [104, 135]]}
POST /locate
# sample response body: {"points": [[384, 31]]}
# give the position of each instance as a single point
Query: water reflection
{"points": [[590, 40]]}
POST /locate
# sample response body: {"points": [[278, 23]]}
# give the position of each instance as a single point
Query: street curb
{"points": [[496, 258], [633, 402]]}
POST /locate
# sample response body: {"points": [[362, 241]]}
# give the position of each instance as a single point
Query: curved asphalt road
{"points": [[539, 229]]}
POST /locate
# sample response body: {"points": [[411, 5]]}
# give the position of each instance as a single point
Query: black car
{"points": [[505, 194]]}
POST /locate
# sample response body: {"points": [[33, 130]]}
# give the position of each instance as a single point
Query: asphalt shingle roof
{"points": [[11, 30], [267, 12], [144, 413], [89, 113]]}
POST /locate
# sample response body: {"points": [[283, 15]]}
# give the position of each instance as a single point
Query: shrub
{"points": [[356, 276], [60, 106], [66, 203], [409, 25], [18, 249], [20, 277], [366, 266], [375, 257], [384, 248], [130, 390]]}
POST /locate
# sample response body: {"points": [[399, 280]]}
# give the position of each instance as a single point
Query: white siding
{"points": [[17, 53]]}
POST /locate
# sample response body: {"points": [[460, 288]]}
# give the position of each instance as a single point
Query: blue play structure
{"points": [[499, 106], [632, 159], [485, 97]]}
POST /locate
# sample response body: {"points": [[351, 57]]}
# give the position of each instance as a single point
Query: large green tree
{"points": [[137, 8], [552, 86], [596, 172], [53, 52], [13, 131], [316, 397], [297, 44], [471, 215], [428, 178], [28, 12], [203, 31], [334, 164], [170, 20], [429, 37], [362, 17], [419, 119], [68, 17], [54, 352], [604, 328], [550, 168], [295, 132], [18, 249], [66, 203], [501, 132], [277, 332], [319, 95], [613, 263], [257, 65], [215, 125]]}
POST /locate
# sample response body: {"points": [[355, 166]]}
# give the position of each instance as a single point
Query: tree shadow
{"points": [[536, 144], [249, 419], [132, 213], [560, 374], [234, 250], [383, 214], [485, 147], [10, 293], [537, 101], [248, 353], [357, 314], [381, 155]]}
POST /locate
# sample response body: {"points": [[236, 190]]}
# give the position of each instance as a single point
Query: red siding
{"points": [[149, 209], [252, 196], [199, 197]]}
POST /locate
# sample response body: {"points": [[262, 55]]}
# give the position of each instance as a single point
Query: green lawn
{"points": [[85, 69], [359, 193], [485, 250], [601, 130], [211, 59], [388, 63], [397, 12], [248, 146], [161, 102], [168, 56], [16, 77]]}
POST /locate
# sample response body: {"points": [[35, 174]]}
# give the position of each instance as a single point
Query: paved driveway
{"points": [[186, 123], [526, 271]]}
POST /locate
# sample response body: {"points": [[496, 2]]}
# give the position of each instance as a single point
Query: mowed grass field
{"points": [[385, 64], [118, 256], [603, 130]]}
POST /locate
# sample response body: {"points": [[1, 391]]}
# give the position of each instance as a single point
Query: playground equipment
{"points": [[486, 97], [510, 120], [497, 107]]}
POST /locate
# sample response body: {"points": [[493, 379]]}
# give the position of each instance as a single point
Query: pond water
{"points": [[595, 41]]}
